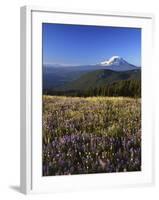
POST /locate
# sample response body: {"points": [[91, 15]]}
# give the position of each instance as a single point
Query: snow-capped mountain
{"points": [[117, 63], [116, 60]]}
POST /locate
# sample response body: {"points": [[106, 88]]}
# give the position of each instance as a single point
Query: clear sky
{"points": [[79, 44]]}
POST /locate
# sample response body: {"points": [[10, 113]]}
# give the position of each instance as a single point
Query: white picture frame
{"points": [[31, 82]]}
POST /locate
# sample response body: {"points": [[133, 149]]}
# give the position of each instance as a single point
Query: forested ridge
{"points": [[131, 88]]}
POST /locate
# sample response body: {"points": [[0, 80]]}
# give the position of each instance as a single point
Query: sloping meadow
{"points": [[91, 135]]}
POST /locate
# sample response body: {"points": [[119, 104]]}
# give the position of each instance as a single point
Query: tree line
{"points": [[127, 88]]}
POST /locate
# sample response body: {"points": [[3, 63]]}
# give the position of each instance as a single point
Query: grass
{"points": [[100, 118], [94, 114]]}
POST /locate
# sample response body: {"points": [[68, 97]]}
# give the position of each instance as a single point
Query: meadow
{"points": [[91, 135]]}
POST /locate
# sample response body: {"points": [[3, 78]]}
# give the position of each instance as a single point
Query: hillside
{"points": [[56, 76], [85, 132], [100, 78]]}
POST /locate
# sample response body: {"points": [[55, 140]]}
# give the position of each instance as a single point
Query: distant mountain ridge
{"points": [[100, 78], [115, 63], [59, 76]]}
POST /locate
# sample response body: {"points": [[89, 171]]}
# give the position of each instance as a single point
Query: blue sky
{"points": [[79, 44]]}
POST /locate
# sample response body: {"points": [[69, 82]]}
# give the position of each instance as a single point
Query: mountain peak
{"points": [[115, 60], [117, 63]]}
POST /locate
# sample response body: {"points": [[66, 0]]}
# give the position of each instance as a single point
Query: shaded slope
{"points": [[100, 78]]}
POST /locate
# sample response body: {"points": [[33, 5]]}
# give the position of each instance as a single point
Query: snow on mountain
{"points": [[117, 63], [115, 60]]}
